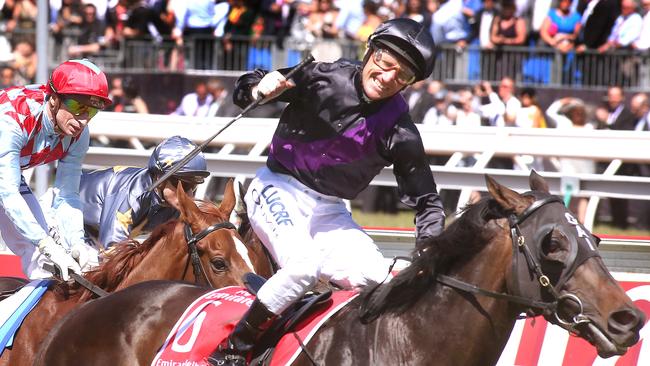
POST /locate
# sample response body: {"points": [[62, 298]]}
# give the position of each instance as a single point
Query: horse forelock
{"points": [[460, 241], [209, 208]]}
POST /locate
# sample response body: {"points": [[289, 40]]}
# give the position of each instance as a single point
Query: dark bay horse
{"points": [[456, 304], [223, 259]]}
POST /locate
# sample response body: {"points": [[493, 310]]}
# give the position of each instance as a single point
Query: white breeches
{"points": [[311, 236]]}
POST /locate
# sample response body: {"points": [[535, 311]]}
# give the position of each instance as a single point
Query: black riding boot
{"points": [[242, 339]]}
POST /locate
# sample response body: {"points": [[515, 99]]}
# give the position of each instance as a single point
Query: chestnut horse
{"points": [[222, 261], [456, 304]]}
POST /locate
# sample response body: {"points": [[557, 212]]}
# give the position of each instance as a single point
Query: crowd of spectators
{"points": [[432, 102], [97, 25]]}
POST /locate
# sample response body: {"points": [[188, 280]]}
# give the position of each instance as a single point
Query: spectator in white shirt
{"points": [[465, 114], [195, 104], [627, 27], [572, 113], [530, 114], [643, 42], [501, 108]]}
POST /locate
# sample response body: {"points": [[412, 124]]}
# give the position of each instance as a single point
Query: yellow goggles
{"points": [[79, 109], [387, 62]]}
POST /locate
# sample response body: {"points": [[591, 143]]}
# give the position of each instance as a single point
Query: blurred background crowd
{"points": [[519, 63], [543, 41]]}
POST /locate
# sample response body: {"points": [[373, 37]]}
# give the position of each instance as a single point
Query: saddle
{"points": [[10, 285], [284, 323]]}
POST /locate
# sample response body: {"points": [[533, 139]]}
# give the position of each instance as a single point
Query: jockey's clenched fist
{"points": [[271, 85]]}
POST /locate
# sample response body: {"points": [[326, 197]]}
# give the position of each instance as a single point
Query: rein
{"points": [[98, 291], [519, 243], [193, 239]]}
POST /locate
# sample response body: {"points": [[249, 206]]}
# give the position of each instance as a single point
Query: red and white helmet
{"points": [[80, 77]]}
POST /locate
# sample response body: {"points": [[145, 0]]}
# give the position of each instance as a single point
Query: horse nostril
{"points": [[626, 320]]}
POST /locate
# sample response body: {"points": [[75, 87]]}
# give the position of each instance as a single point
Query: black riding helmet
{"points": [[409, 40]]}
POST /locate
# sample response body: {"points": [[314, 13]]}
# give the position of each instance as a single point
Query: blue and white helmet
{"points": [[173, 149]]}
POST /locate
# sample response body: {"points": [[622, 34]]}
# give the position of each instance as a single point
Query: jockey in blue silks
{"points": [[117, 204]]}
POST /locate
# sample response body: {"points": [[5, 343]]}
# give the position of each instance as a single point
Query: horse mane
{"points": [[126, 255], [459, 242]]}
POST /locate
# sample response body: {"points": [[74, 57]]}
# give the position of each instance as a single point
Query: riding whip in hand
{"points": [[179, 164], [61, 259]]}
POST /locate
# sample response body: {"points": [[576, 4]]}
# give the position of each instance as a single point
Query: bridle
{"points": [[193, 252], [534, 306], [192, 240]]}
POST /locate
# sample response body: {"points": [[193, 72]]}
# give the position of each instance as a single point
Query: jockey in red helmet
{"points": [[43, 124]]}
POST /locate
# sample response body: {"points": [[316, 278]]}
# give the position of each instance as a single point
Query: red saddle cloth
{"points": [[208, 321]]}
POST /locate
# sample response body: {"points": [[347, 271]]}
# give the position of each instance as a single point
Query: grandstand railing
{"points": [[544, 66], [531, 65], [240, 149]]}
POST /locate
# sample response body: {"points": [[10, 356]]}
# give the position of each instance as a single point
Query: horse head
{"points": [[217, 253], [202, 246], [556, 264]]}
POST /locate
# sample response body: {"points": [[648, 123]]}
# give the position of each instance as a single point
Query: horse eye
{"points": [[551, 245], [219, 264]]}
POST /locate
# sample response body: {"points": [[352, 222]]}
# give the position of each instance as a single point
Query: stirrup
{"points": [[223, 358]]}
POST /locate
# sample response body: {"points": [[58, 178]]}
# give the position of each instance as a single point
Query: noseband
{"points": [[534, 306], [193, 252]]}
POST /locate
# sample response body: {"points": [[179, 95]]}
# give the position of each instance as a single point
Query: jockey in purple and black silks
{"points": [[344, 123]]}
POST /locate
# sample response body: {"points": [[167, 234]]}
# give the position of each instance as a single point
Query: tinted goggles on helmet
{"points": [[79, 109], [388, 62], [189, 183]]}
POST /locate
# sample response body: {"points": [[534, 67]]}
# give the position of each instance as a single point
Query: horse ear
{"points": [[537, 183], [188, 209], [506, 197], [228, 202]]}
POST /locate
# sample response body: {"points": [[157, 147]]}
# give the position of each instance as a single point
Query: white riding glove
{"points": [[85, 256], [272, 85], [58, 256]]}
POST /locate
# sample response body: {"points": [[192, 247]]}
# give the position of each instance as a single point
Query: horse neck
{"points": [[481, 321], [460, 329], [165, 261]]}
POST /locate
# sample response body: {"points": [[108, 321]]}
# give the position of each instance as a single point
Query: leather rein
{"points": [[519, 245]]}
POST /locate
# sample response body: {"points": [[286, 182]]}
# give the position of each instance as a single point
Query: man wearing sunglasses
{"points": [[117, 204], [344, 123], [42, 124]]}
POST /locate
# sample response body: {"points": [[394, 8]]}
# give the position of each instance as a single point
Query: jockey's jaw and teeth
{"points": [[384, 74], [72, 113]]}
